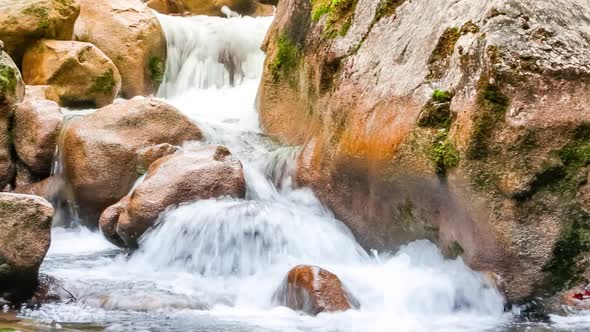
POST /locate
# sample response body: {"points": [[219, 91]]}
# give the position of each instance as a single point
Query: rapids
{"points": [[213, 265]]}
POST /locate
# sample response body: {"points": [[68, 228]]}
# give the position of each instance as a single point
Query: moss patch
{"points": [[436, 113], [8, 78], [455, 250], [287, 58], [105, 83], [443, 153], [156, 67], [42, 15], [439, 58], [340, 14], [492, 106]]}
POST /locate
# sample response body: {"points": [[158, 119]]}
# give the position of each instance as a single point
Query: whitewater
{"points": [[213, 265]]}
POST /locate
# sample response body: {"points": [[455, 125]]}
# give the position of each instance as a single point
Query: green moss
{"points": [[156, 67], [340, 14], [8, 80], [287, 58], [455, 249], [42, 14], [443, 153], [386, 8], [7, 330], [105, 83], [439, 58], [492, 106], [436, 113]]}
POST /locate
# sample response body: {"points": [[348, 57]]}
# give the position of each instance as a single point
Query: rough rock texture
{"points": [[36, 126], [211, 7], [198, 173], [109, 219], [25, 232], [12, 91], [464, 122], [139, 49], [50, 290], [312, 290], [47, 188], [152, 153], [101, 149], [79, 72], [22, 22]]}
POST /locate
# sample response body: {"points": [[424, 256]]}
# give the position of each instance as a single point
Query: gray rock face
{"points": [[494, 177]]}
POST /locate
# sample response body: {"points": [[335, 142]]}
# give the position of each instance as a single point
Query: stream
{"points": [[213, 265]]}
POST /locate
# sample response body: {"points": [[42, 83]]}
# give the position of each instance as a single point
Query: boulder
{"points": [[167, 6], [139, 49], [148, 155], [491, 168], [79, 72], [48, 188], [25, 232], [313, 290], [109, 219], [23, 22], [200, 173], [12, 91], [36, 127], [49, 290], [101, 149]]}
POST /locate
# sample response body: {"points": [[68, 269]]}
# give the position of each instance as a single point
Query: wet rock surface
{"points": [[491, 175], [80, 73], [192, 174], [313, 290], [139, 49], [101, 149], [25, 233]]}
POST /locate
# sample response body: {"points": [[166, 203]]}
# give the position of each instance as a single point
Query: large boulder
{"points": [[79, 72], [12, 91], [128, 33], [198, 173], [22, 22], [35, 130], [313, 290], [465, 124], [101, 149], [25, 233]]}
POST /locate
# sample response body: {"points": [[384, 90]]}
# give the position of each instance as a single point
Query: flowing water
{"points": [[213, 265]]}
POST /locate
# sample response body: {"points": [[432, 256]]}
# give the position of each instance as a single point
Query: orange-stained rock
{"points": [[148, 155], [139, 48], [211, 7], [197, 173], [25, 233], [166, 6], [109, 219], [101, 149], [499, 179], [78, 72], [36, 125], [312, 290], [48, 188], [23, 22]]}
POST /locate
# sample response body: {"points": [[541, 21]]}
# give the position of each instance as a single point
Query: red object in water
{"points": [[582, 296]]}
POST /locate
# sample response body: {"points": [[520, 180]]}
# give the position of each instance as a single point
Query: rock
{"points": [[313, 290], [24, 176], [100, 154], [139, 51], [150, 154], [47, 188], [577, 298], [495, 172], [24, 22], [12, 91], [167, 6], [201, 173], [25, 232], [50, 290], [37, 124], [109, 220], [79, 72], [41, 92]]}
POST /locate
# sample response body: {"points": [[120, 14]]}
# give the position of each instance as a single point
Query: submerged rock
{"points": [[24, 22], [199, 173], [79, 72], [36, 126], [101, 149], [490, 170], [25, 232], [49, 290], [128, 33], [313, 290]]}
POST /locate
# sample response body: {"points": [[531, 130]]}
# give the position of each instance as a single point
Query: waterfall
{"points": [[214, 264]]}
